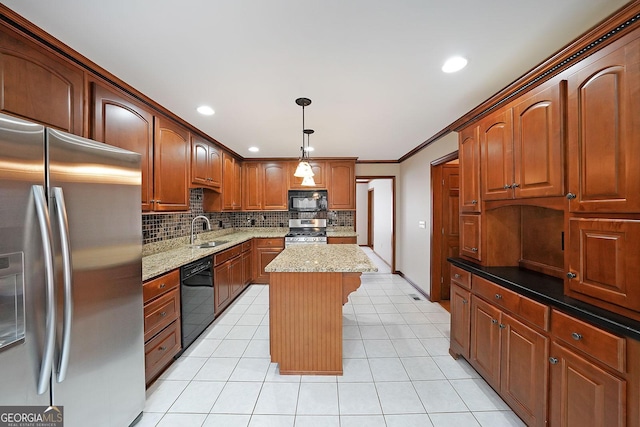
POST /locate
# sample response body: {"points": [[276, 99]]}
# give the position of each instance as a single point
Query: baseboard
{"points": [[417, 288]]}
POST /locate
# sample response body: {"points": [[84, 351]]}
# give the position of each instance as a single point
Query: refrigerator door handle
{"points": [[63, 224], [50, 316]]}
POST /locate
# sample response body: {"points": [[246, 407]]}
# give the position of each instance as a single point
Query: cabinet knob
{"points": [[494, 321], [474, 202], [464, 301], [162, 348], [571, 275], [576, 336], [553, 360], [498, 296], [164, 313], [515, 185], [457, 276], [502, 326], [571, 196], [474, 249], [162, 285], [506, 186]]}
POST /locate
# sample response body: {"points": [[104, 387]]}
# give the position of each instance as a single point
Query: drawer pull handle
{"points": [[576, 336], [553, 360], [162, 285], [494, 321], [162, 348], [164, 313], [571, 196], [498, 296], [474, 249], [474, 202], [515, 185], [457, 276], [506, 186], [571, 275]]}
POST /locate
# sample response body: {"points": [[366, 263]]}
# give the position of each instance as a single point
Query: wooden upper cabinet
{"points": [[171, 166], [496, 154], [252, 186], [39, 86], [341, 185], [119, 121], [274, 185], [231, 183], [319, 169], [206, 164], [537, 144], [603, 129], [469, 153]]}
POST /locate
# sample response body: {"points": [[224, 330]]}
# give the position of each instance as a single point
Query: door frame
{"points": [[393, 215], [436, 224], [370, 215]]}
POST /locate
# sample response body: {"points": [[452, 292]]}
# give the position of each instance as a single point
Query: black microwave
{"points": [[307, 200]]}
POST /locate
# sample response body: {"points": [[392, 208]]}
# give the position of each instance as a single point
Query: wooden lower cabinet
{"points": [[582, 393], [162, 337], [342, 240], [231, 274], [512, 358], [266, 250], [460, 321]]}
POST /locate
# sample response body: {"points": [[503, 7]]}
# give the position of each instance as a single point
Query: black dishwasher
{"points": [[196, 299]]}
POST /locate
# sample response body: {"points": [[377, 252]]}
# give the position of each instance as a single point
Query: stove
{"points": [[306, 232]]}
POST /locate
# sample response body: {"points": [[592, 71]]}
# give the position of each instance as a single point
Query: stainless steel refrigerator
{"points": [[71, 319]]}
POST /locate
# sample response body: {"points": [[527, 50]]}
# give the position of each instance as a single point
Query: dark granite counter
{"points": [[550, 291]]}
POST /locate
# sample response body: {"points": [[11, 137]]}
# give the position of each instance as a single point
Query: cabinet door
{"points": [[221, 287], [230, 181], [236, 272], [470, 235], [274, 185], [496, 155], [200, 173], [38, 86], [469, 170], [537, 145], [485, 341], [252, 194], [247, 268], [237, 186], [121, 122], [603, 129], [524, 370], [604, 256], [583, 394], [319, 170], [171, 166], [341, 185], [263, 257], [215, 166], [460, 321]]}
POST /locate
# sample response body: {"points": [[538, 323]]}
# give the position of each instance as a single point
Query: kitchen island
{"points": [[308, 286]]}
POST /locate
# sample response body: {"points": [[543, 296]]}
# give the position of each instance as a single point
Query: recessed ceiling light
{"points": [[254, 149], [205, 110], [454, 64]]}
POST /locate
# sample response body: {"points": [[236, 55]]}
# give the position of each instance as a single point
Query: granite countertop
{"points": [[162, 257], [321, 259], [550, 291]]}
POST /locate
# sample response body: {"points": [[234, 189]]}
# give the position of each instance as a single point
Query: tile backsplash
{"points": [[157, 227]]}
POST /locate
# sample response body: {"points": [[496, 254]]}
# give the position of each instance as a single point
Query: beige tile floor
{"points": [[397, 371]]}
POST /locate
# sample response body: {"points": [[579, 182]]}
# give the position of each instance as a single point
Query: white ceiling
{"points": [[371, 67]]}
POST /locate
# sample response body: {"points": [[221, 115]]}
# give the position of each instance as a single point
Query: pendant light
{"points": [[304, 168], [308, 180]]}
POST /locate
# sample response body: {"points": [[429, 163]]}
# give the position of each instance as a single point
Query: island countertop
{"points": [[321, 259]]}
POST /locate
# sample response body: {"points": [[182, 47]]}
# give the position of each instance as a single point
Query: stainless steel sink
{"points": [[212, 244]]}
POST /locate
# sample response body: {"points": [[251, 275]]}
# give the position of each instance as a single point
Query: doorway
{"points": [[376, 216], [445, 190]]}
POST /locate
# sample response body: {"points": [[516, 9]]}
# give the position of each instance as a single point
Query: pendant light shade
{"points": [[308, 181], [303, 170]]}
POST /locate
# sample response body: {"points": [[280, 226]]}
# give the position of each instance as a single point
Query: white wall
{"points": [[362, 206], [413, 244], [382, 218]]}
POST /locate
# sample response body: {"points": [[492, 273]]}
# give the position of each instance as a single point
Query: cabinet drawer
{"points": [[246, 246], [461, 277], [526, 309], [161, 312], [227, 255], [159, 352], [270, 243], [160, 285], [342, 240], [597, 343]]}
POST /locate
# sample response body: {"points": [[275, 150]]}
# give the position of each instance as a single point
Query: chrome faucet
{"points": [[193, 234]]}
